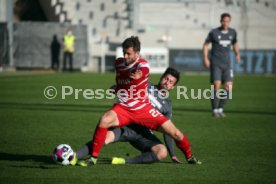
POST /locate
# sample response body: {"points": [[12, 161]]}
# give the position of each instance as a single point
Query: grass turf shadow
{"points": [[56, 107], [43, 161], [26, 157]]}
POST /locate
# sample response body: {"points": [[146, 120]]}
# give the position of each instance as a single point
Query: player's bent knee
{"points": [[178, 135], [162, 154], [172, 131], [228, 86], [161, 151], [110, 136], [104, 122], [217, 85]]}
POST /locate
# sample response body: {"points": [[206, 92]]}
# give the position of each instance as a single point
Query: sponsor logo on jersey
{"points": [[224, 43]]}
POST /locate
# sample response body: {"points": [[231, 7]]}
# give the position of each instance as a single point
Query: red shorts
{"points": [[147, 116]]}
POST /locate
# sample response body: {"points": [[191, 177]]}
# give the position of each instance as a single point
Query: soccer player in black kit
{"points": [[151, 148], [219, 64]]}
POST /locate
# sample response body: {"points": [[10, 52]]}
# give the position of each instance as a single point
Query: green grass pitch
{"points": [[240, 148]]}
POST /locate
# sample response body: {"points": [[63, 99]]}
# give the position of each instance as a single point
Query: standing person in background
{"points": [[69, 46], [219, 64], [55, 51]]}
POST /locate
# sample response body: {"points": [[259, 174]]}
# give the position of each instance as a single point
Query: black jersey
{"points": [[221, 45]]}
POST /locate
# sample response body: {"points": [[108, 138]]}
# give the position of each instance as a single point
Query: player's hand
{"points": [[136, 75], [175, 160], [206, 63]]}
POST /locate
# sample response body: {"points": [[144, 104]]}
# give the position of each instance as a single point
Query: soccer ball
{"points": [[63, 154]]}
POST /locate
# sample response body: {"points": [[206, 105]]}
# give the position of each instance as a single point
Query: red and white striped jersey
{"points": [[132, 94]]}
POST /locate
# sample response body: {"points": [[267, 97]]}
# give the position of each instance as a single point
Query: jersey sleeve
{"points": [[168, 140], [118, 62], [144, 67], [209, 38], [169, 111], [169, 144]]}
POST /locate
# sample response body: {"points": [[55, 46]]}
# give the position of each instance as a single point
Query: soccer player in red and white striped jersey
{"points": [[131, 92], [133, 106]]}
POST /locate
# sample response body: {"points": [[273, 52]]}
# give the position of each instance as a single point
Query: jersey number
{"points": [[154, 112]]}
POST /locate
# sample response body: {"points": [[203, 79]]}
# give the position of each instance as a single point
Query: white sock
{"points": [[215, 110], [220, 110]]}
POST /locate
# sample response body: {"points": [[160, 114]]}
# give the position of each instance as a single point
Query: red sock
{"points": [[98, 140], [185, 147]]}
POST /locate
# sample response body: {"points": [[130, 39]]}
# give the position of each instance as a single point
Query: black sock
{"points": [[84, 151], [214, 101], [224, 99], [144, 158]]}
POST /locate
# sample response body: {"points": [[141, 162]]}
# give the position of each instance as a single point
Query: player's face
{"points": [[130, 55], [168, 82], [225, 23]]}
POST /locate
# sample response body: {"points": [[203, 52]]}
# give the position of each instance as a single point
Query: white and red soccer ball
{"points": [[63, 154]]}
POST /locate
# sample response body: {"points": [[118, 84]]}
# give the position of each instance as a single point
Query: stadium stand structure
{"points": [[178, 18], [188, 23], [174, 24]]}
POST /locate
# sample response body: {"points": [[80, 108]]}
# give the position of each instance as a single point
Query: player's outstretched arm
{"points": [[170, 146], [237, 52], [206, 62]]}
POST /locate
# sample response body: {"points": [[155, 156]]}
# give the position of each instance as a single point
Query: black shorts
{"points": [[221, 73], [138, 136]]}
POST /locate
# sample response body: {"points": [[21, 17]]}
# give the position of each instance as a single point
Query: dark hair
{"points": [[133, 42], [172, 72], [224, 15]]}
